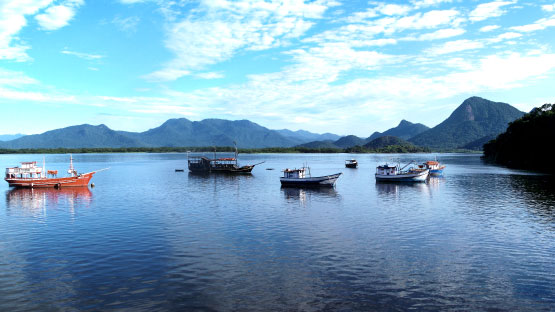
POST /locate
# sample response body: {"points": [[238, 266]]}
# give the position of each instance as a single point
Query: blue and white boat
{"points": [[436, 169]]}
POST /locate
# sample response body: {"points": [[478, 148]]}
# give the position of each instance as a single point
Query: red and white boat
{"points": [[31, 176]]}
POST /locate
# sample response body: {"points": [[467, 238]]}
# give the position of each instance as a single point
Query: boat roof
{"points": [[386, 166], [293, 170], [432, 162]]}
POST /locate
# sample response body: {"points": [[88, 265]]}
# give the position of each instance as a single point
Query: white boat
{"points": [[389, 173], [299, 177]]}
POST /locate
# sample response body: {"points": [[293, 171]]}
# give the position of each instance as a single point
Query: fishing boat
{"points": [[29, 175], [396, 173], [351, 163], [202, 164], [436, 169], [299, 177]]}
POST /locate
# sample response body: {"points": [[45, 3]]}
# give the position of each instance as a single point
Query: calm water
{"points": [[149, 238]]}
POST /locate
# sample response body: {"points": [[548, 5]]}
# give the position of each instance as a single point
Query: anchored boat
{"points": [[31, 176], [351, 163], [436, 169], [299, 177], [388, 173], [201, 164]]}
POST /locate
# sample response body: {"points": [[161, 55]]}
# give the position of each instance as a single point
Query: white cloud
{"points": [[548, 7], [219, 29], [58, 16], [440, 34], [14, 78], [455, 46], [487, 10], [126, 24], [426, 3], [540, 24], [489, 28], [506, 36], [209, 75], [12, 20], [86, 56]]}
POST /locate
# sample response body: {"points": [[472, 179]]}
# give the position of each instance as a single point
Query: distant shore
{"points": [[277, 150]]}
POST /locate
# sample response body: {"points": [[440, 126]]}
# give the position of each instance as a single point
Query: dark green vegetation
{"points": [[474, 119], [405, 130], [527, 143]]}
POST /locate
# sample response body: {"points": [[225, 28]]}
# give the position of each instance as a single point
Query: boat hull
{"points": [[404, 177], [78, 181], [436, 172], [328, 180], [351, 165]]}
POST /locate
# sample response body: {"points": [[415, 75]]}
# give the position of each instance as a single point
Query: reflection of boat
{"points": [[36, 199], [298, 177], [436, 169], [305, 193], [29, 175], [224, 165], [398, 188], [351, 163], [388, 173]]}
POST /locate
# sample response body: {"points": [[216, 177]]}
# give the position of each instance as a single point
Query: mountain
{"points": [[212, 132], [343, 142], [385, 141], [303, 136], [319, 144], [9, 137], [172, 133], [527, 142], [475, 118], [349, 141], [405, 130], [74, 136]]}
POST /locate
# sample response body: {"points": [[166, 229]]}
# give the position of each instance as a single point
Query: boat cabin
{"points": [[28, 170], [294, 173], [386, 170]]}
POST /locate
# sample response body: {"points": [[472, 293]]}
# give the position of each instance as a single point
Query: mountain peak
{"points": [[404, 123], [473, 119]]}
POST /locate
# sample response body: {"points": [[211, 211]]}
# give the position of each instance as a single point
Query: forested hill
{"points": [[405, 130], [474, 119], [527, 143], [172, 133]]}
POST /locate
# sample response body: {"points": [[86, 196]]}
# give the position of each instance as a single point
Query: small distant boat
{"points": [[388, 173], [436, 169], [299, 177], [351, 163], [31, 176]]}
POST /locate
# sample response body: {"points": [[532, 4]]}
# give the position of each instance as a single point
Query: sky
{"points": [[340, 66]]}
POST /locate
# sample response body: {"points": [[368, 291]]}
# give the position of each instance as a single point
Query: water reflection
{"points": [[394, 189], [303, 195], [35, 201], [539, 192]]}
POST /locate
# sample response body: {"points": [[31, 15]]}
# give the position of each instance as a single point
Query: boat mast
{"points": [[71, 170], [236, 153], [43, 173]]}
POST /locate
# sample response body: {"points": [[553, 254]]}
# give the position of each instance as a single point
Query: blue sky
{"points": [[347, 67]]}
